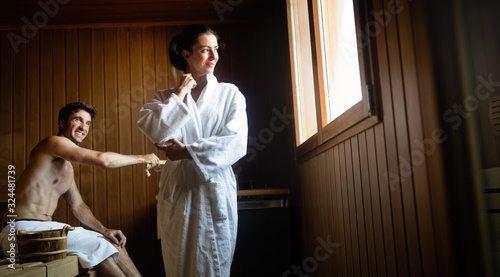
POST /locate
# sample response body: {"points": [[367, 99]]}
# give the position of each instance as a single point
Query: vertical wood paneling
{"points": [[365, 190], [72, 95], [378, 231], [340, 212], [161, 67], [112, 141], [58, 97], [19, 108], [351, 199], [386, 223], [138, 140], [417, 152], [385, 201], [405, 184], [331, 193], [124, 128], [351, 193], [85, 92], [6, 107], [99, 124], [359, 201], [46, 105], [149, 73], [347, 215], [431, 118], [32, 95], [116, 70], [140, 200]]}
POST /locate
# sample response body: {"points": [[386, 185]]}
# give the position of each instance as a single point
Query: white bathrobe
{"points": [[197, 199]]}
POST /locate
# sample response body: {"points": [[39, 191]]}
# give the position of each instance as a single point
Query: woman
{"points": [[201, 125]]}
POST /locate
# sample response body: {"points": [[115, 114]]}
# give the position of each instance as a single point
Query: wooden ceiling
{"points": [[17, 13]]}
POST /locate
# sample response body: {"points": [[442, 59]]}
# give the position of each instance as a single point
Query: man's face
{"points": [[77, 127]]}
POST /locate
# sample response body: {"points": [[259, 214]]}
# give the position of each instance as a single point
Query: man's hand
{"points": [[116, 237], [174, 150], [152, 160]]}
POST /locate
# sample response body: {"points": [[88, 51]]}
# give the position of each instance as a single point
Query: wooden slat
{"points": [[161, 53], [124, 129], [32, 95], [148, 52], [391, 172], [6, 110], [359, 201], [112, 141], [375, 199], [140, 200], [46, 104], [59, 98], [367, 204], [138, 139], [347, 213], [331, 194], [326, 233], [340, 213], [405, 186], [19, 109], [85, 90], [431, 119], [385, 201], [354, 232], [99, 125], [418, 153], [72, 95]]}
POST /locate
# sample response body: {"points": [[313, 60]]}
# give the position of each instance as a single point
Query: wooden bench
{"points": [[68, 267]]}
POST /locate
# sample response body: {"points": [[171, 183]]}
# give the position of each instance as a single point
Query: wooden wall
{"points": [[378, 196], [114, 69], [117, 69]]}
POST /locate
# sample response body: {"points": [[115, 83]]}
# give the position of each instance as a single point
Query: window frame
{"points": [[362, 113]]}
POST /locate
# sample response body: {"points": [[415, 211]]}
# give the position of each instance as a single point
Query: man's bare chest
{"points": [[60, 175]]}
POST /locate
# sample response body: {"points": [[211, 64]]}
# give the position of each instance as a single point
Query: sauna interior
{"points": [[404, 182]]}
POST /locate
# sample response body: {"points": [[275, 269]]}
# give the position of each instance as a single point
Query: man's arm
{"points": [[64, 148], [83, 213]]}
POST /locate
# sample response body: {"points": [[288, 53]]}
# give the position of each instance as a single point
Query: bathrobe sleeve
{"points": [[223, 150], [162, 117]]}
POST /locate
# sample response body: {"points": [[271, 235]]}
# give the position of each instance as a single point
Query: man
{"points": [[49, 175]]}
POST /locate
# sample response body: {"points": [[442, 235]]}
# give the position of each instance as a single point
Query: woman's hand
{"points": [[174, 150], [185, 85]]}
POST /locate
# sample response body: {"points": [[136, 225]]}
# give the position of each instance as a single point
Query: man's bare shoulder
{"points": [[50, 145]]}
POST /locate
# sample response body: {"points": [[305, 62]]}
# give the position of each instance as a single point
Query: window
{"points": [[338, 46], [302, 72], [332, 89]]}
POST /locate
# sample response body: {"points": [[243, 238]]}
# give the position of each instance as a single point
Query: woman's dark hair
{"points": [[65, 112], [185, 41]]}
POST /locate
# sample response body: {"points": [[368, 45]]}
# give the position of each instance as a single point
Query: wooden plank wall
{"points": [[114, 69], [117, 70], [371, 195]]}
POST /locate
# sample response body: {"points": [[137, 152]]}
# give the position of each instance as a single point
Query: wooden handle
{"points": [[65, 230], [148, 166]]}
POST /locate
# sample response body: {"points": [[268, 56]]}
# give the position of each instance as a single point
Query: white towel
{"points": [[90, 247]]}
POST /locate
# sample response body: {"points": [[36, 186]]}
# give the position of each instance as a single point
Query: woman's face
{"points": [[204, 57]]}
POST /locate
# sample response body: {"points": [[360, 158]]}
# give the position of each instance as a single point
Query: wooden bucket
{"points": [[42, 246]]}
